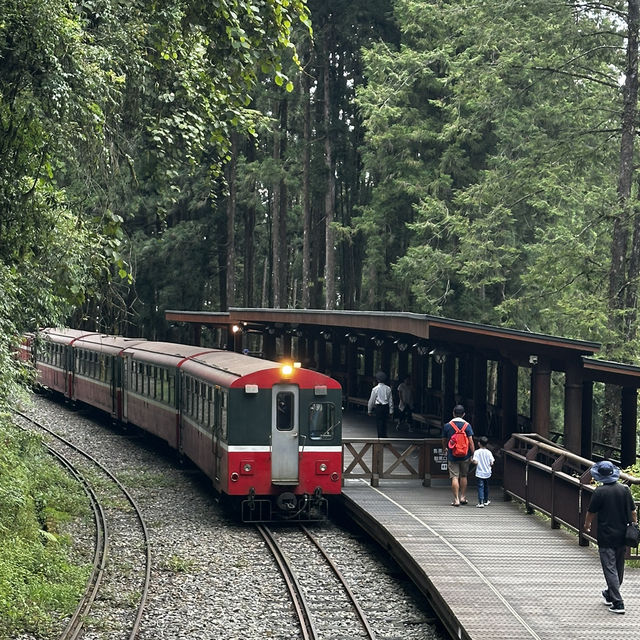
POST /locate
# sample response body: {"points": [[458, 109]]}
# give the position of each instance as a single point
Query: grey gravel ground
{"points": [[212, 577]]}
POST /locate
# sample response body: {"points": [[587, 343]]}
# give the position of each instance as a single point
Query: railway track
{"points": [[120, 536], [324, 603]]}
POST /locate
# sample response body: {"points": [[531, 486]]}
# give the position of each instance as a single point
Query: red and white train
{"points": [[268, 435]]}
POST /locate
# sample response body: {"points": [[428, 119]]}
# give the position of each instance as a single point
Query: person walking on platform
{"points": [[614, 508], [381, 403], [457, 441], [405, 402], [484, 460]]}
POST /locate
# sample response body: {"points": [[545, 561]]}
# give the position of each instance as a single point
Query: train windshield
{"points": [[321, 420], [284, 419]]}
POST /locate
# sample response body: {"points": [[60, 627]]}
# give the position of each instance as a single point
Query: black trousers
{"points": [[381, 412]]}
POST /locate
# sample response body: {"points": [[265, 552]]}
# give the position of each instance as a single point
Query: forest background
{"points": [[473, 159]]}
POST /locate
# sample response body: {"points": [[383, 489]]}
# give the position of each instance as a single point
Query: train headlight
{"points": [[322, 467], [246, 467], [286, 370]]}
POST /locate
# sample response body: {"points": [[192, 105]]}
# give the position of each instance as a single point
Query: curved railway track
{"points": [[101, 487], [320, 592]]}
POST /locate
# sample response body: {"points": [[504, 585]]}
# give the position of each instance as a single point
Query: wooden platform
{"points": [[498, 573]]}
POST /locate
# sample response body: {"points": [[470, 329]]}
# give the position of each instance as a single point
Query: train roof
{"points": [[102, 343], [64, 335], [237, 370], [167, 354], [225, 368]]}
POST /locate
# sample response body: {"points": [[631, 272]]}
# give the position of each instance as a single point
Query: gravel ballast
{"points": [[212, 577]]}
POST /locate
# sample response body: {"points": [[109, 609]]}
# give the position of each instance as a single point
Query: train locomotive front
{"points": [[276, 434]]}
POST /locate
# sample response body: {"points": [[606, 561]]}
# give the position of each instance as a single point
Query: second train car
{"points": [[269, 435]]}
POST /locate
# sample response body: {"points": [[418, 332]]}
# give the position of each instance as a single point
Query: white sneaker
{"points": [[487, 503], [480, 505]]}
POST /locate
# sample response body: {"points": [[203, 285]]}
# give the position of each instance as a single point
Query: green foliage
{"points": [[487, 142], [38, 582]]}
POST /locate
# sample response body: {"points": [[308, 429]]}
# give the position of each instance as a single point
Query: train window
{"points": [[209, 420], [321, 420], [135, 373], [223, 413], [187, 398], [284, 413], [154, 382]]}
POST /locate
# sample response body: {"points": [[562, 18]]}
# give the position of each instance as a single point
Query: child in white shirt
{"points": [[484, 460]]}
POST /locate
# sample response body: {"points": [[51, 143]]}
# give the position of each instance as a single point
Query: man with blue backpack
{"points": [[457, 441]]}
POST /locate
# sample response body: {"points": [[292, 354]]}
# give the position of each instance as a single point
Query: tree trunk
{"points": [[306, 192], [282, 204], [630, 106], [618, 280], [249, 240], [330, 260], [623, 285], [276, 249], [231, 216]]}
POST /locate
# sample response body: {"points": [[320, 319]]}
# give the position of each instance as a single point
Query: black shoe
{"points": [[606, 598], [618, 607]]}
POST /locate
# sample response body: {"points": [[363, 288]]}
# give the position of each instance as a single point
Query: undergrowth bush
{"points": [[635, 488], [38, 582]]}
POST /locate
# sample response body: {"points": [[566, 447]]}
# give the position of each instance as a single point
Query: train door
{"points": [[284, 434], [128, 371]]}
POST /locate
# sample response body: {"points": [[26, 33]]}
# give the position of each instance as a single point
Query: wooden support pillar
{"points": [[352, 370], [466, 379], [629, 421], [269, 346], [368, 361], [449, 391], [586, 448], [541, 397], [385, 361], [322, 354], [336, 348], [286, 345], [403, 365], [231, 339], [419, 372], [508, 402], [573, 408], [479, 394]]}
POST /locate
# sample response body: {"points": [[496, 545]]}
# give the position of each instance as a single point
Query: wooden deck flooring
{"points": [[503, 574]]}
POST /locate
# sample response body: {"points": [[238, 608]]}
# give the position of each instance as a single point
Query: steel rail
{"points": [[81, 615], [101, 553], [361, 614], [309, 631]]}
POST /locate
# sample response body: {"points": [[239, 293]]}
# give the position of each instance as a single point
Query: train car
{"points": [[266, 433], [24, 350], [268, 436], [54, 358], [98, 371], [152, 397]]}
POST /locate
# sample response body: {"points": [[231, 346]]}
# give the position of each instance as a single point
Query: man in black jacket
{"points": [[614, 506]]}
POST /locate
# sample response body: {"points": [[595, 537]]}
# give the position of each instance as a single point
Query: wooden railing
{"points": [[554, 481], [401, 459]]}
